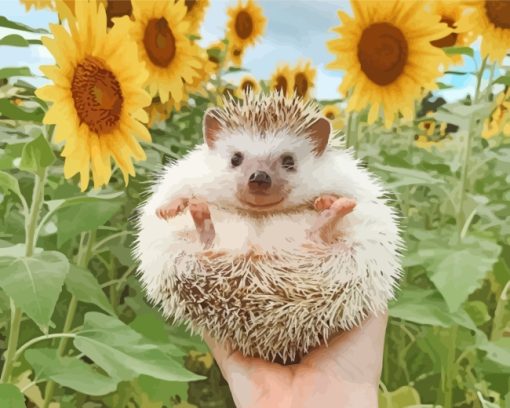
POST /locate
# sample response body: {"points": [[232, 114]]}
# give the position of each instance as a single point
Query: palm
{"points": [[346, 373]]}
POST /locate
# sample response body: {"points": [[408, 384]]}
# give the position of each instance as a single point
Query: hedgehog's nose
{"points": [[259, 181]]}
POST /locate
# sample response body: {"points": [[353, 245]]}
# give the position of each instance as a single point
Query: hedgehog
{"points": [[269, 236]]}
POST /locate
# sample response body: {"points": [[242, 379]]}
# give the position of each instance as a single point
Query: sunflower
{"points": [[491, 20], [158, 111], [160, 31], [195, 12], [37, 4], [114, 8], [246, 24], [334, 114], [452, 13], [432, 132], [216, 54], [205, 70], [303, 79], [386, 53], [97, 95], [499, 120], [236, 55], [248, 83], [282, 80]]}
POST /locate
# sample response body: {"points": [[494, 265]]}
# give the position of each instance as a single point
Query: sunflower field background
{"points": [[126, 94]]}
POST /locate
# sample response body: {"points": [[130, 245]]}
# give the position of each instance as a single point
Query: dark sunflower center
{"points": [[237, 52], [228, 92], [190, 4], [300, 84], [330, 115], [117, 8], [450, 39], [244, 24], [247, 85], [281, 84], [159, 42], [382, 53], [498, 12], [97, 95]]}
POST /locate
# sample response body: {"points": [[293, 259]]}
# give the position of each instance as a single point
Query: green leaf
{"points": [[83, 214], [11, 396], [11, 111], [9, 72], [37, 155], [459, 51], [456, 73], [405, 396], [478, 312], [425, 307], [408, 177], [505, 80], [16, 40], [9, 183], [85, 287], [153, 327], [498, 351], [5, 22], [162, 391], [442, 85], [458, 271], [34, 283], [235, 69], [125, 354], [69, 372]]}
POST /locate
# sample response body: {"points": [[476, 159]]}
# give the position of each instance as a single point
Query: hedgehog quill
{"points": [[267, 236]]}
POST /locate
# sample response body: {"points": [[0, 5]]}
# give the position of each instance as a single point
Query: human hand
{"points": [[345, 374]]}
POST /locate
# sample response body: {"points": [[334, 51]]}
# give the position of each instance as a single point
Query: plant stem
{"points": [[82, 260], [41, 338], [467, 152], [451, 366], [16, 313], [35, 209], [12, 343]]}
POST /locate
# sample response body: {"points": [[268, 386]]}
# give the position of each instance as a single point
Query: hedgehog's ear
{"points": [[211, 127], [319, 132]]}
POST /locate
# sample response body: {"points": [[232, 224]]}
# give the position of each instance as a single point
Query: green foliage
{"points": [[69, 372], [125, 354], [11, 396], [34, 283]]}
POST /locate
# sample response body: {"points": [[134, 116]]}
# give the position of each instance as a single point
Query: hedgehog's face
{"points": [[263, 170]]}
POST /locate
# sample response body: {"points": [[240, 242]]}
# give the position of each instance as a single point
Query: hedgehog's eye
{"points": [[237, 159], [288, 162]]}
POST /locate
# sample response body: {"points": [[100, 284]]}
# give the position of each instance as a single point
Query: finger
{"points": [[355, 354]]}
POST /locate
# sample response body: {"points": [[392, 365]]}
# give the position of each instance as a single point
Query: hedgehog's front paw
{"points": [[172, 208], [201, 215], [324, 227], [324, 202]]}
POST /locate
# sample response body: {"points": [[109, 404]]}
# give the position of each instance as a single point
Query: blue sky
{"points": [[296, 29]]}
